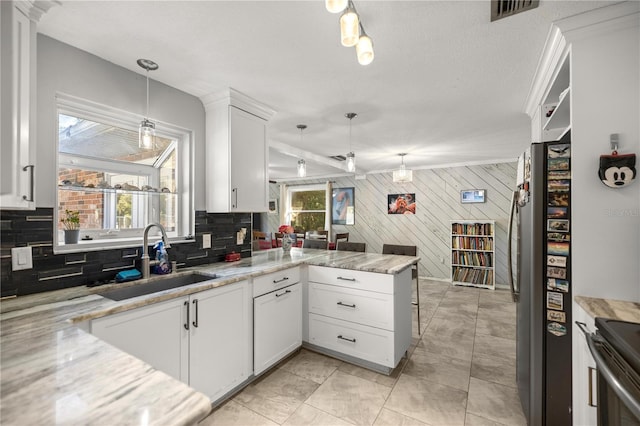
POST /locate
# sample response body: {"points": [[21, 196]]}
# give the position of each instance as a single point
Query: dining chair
{"points": [[258, 235], [321, 234], [315, 244], [347, 246], [342, 237], [407, 251], [277, 237]]}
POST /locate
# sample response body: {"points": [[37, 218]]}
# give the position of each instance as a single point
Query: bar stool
{"points": [[407, 251], [347, 246]]}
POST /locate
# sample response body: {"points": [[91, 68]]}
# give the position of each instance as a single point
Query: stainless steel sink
{"points": [[157, 285]]}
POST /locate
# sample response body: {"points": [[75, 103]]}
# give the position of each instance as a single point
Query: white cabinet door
{"points": [[16, 82], [584, 386], [278, 326], [249, 173], [156, 334], [220, 340]]}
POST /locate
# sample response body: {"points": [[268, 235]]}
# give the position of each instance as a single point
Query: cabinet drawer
{"points": [[363, 307], [275, 280], [367, 343], [370, 281]]}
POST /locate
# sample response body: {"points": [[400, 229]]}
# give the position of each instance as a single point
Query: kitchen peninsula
{"points": [[53, 371]]}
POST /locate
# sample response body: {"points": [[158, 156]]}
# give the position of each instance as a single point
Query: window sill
{"points": [[111, 244]]}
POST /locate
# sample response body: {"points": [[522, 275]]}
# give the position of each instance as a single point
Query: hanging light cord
{"points": [[147, 116]]}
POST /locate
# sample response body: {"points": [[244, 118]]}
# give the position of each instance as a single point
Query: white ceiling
{"points": [[447, 86]]}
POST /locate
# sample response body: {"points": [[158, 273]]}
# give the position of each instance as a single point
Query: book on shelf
{"points": [[472, 229]]}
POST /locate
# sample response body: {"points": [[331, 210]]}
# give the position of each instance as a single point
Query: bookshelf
{"points": [[473, 253]]}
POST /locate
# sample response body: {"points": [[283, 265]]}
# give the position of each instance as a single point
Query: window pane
{"points": [[308, 221], [308, 200]]}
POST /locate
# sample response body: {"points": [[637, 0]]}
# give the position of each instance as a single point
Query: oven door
{"points": [[618, 385]]}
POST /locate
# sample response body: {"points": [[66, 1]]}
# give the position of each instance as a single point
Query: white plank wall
{"points": [[438, 202]]}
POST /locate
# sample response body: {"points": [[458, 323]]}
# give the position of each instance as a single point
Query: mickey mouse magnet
{"points": [[617, 171]]}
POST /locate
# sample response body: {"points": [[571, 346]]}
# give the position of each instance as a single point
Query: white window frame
{"points": [[303, 188], [184, 147]]}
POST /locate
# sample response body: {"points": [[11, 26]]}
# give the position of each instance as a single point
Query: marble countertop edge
{"points": [[622, 310]]}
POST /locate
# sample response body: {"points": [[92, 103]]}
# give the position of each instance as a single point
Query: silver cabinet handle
{"points": [[515, 295], [195, 303], [283, 293], [346, 279], [346, 338], [186, 324], [31, 167], [346, 305], [235, 193], [591, 370], [279, 281]]}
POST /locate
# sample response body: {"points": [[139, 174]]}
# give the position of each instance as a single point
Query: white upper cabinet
{"points": [[236, 151], [17, 107]]}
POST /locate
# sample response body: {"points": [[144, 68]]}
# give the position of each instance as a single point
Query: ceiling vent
{"points": [[503, 8], [338, 157]]}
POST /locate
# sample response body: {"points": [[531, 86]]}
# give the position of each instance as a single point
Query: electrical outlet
{"points": [[21, 258], [206, 241]]}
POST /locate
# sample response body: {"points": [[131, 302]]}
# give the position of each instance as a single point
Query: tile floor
{"points": [[460, 371]]}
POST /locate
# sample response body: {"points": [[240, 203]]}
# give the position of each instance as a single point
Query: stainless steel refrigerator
{"points": [[540, 250]]}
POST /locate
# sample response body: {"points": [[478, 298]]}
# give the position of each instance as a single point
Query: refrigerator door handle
{"points": [[515, 295]]}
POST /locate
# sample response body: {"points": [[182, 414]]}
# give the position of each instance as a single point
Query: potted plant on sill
{"points": [[71, 223]]}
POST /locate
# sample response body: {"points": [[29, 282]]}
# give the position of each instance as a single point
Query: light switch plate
{"points": [[21, 258], [206, 241]]}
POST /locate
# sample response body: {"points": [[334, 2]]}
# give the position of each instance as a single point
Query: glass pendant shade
{"points": [[364, 50], [302, 168], [335, 6], [351, 162], [147, 134], [402, 174], [349, 28]]}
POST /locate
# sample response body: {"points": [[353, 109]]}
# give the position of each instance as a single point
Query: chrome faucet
{"points": [[146, 263]]}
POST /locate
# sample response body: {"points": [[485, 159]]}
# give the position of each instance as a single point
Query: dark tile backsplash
{"points": [[55, 271]]}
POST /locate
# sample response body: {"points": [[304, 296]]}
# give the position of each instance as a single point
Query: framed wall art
{"points": [[401, 203], [343, 206], [472, 196]]}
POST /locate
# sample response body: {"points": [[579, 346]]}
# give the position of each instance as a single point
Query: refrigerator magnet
{"points": [[556, 329], [559, 151], [558, 199], [558, 285], [558, 248], [558, 164], [562, 185], [558, 225], [558, 175], [554, 301], [557, 261], [557, 316], [556, 212], [556, 272], [558, 236]]}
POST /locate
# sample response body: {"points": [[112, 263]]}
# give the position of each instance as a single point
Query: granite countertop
{"points": [[53, 372], [608, 308]]}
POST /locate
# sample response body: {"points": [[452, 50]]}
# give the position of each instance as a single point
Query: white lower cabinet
{"points": [[277, 326], [203, 340], [363, 315], [585, 374]]}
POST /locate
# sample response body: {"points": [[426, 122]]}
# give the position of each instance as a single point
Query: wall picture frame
{"points": [[343, 206], [273, 206], [468, 196]]}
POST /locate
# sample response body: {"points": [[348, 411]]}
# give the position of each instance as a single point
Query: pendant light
{"points": [[402, 174], [351, 157], [302, 165], [364, 48], [147, 131], [349, 26], [335, 6]]}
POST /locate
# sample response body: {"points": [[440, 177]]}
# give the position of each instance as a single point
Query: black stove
{"points": [[624, 337]]}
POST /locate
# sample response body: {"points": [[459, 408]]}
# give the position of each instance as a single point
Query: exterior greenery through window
{"points": [[307, 207]]}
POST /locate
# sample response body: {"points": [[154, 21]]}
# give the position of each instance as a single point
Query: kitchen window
{"points": [[117, 187], [307, 207]]}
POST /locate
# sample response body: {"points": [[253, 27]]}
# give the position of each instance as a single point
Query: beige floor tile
{"points": [[473, 420], [495, 323], [493, 369], [439, 368], [307, 415], [234, 414], [350, 398], [383, 379], [391, 418], [496, 296], [497, 347], [455, 347], [277, 395], [499, 306], [312, 366], [495, 402], [463, 329], [427, 401], [457, 310]]}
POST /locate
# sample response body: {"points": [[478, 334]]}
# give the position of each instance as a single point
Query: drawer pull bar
{"points": [[195, 303], [346, 305], [347, 339], [346, 279], [279, 281], [186, 324], [591, 371], [283, 293]]}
